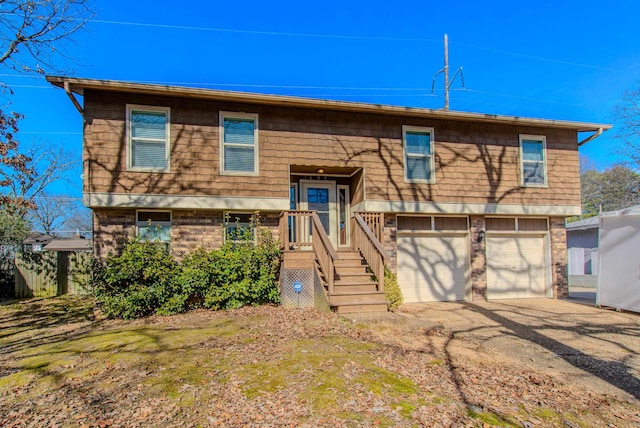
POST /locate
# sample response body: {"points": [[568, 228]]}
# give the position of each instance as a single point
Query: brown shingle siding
{"points": [[475, 162]]}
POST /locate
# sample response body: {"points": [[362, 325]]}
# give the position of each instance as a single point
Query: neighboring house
{"points": [[36, 242], [69, 244], [462, 206]]}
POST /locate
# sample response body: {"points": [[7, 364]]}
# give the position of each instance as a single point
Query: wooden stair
{"points": [[354, 290]]}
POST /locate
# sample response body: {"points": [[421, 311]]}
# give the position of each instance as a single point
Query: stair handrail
{"points": [[324, 251], [370, 248], [374, 220]]}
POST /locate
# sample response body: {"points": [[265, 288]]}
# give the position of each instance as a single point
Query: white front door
{"points": [[320, 196]]}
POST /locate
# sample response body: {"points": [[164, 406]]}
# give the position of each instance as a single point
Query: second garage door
{"points": [[516, 267], [432, 267]]}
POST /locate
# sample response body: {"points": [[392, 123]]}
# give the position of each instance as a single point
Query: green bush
{"points": [[138, 282], [146, 279], [391, 289], [245, 269]]}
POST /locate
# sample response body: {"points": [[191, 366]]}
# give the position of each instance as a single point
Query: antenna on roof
{"points": [[445, 70]]}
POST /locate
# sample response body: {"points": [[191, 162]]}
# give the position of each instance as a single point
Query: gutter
{"points": [[79, 85], [591, 137]]}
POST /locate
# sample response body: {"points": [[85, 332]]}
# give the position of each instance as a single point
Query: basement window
{"points": [[239, 227], [154, 225]]}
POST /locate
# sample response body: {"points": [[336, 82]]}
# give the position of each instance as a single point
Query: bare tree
{"points": [[51, 213], [33, 32], [628, 113], [81, 220], [31, 35], [24, 176]]}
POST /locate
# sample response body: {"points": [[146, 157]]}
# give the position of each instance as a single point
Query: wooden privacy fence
{"points": [[49, 274]]}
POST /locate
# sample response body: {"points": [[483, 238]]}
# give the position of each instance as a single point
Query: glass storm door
{"points": [[320, 196]]}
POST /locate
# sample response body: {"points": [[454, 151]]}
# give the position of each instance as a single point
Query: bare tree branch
{"points": [[628, 113], [32, 31], [31, 172], [32, 34], [51, 213]]}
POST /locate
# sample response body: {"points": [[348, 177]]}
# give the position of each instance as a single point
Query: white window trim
{"points": [[296, 199], [154, 109], [542, 139], [161, 223], [422, 129], [347, 208], [256, 150]]}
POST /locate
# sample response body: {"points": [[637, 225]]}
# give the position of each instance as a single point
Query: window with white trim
{"points": [[418, 154], [148, 138], [154, 225], [239, 143], [533, 162]]}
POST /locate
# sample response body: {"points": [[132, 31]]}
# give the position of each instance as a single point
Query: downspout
{"points": [[591, 137], [86, 176], [67, 89]]}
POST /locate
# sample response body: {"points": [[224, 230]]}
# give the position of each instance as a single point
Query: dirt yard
{"points": [[596, 348], [518, 363]]}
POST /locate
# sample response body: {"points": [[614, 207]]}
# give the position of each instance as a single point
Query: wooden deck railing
{"points": [[370, 248], [295, 230], [300, 229], [375, 222]]}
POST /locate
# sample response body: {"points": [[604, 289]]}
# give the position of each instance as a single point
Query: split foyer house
{"points": [[461, 206]]}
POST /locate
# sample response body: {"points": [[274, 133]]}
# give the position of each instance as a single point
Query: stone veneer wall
{"points": [[559, 266], [111, 229], [390, 244], [478, 259], [190, 229]]}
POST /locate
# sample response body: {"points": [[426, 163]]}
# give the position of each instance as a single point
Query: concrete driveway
{"points": [[576, 343]]}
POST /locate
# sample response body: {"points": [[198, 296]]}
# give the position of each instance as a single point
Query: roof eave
{"points": [[78, 85]]}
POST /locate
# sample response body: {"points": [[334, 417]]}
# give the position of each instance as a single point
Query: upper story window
{"points": [[418, 154], [239, 143], [533, 161], [148, 134], [154, 225]]}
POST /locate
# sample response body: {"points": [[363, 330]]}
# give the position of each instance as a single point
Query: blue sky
{"points": [[569, 60]]}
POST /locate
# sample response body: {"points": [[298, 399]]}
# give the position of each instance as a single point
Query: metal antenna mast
{"points": [[445, 70]]}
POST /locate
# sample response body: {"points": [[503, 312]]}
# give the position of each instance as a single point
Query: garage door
{"points": [[432, 267], [516, 267]]}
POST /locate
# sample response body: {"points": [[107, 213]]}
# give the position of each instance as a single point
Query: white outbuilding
{"points": [[619, 260]]}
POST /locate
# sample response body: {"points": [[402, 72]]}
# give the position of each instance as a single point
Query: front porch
{"points": [[346, 279]]}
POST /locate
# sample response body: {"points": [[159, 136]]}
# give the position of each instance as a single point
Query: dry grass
{"points": [[61, 364]]}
